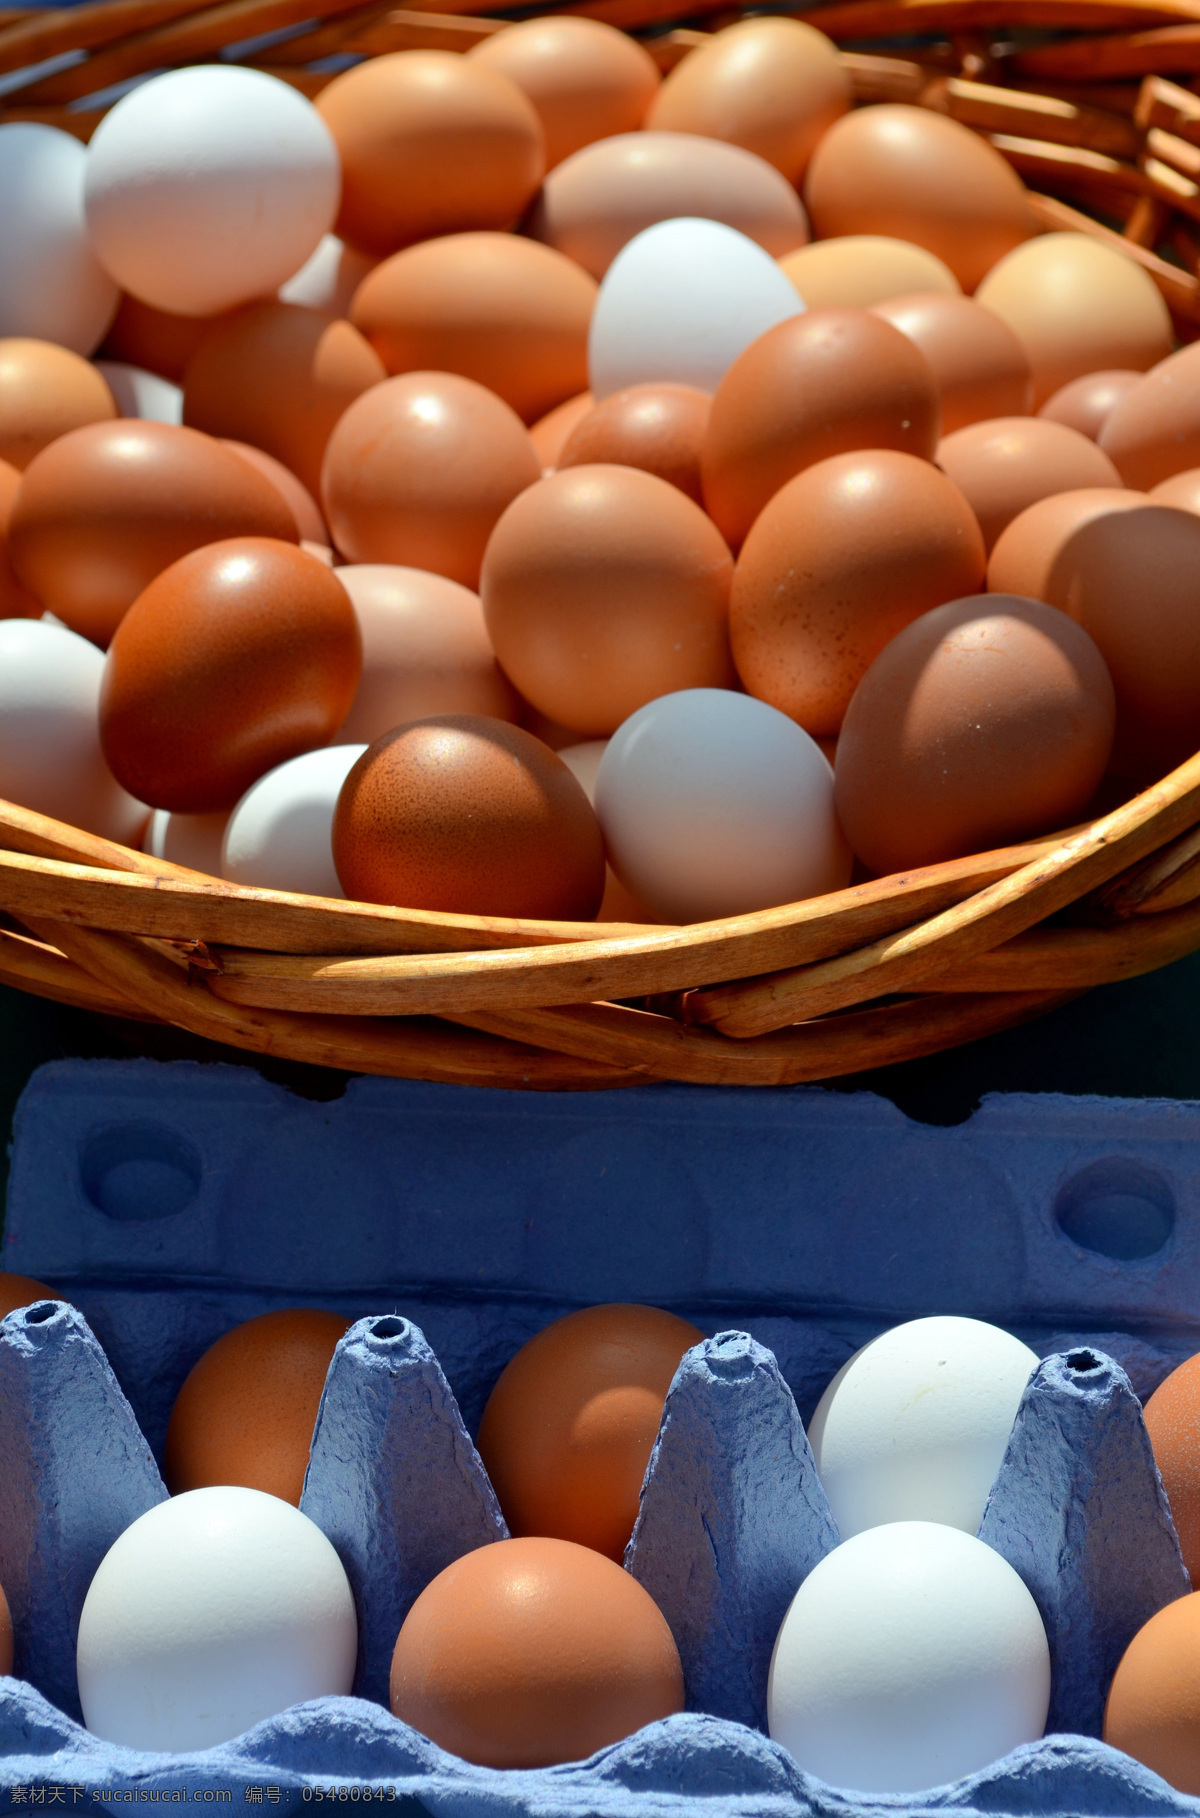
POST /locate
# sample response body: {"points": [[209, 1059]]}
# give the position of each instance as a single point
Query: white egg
{"points": [[50, 756], [329, 279], [209, 186], [193, 840], [215, 1610], [909, 1656], [279, 836], [713, 803], [680, 302], [52, 287], [142, 394], [914, 1426]]}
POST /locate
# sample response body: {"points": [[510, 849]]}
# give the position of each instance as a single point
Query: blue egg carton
{"points": [[171, 1202]]}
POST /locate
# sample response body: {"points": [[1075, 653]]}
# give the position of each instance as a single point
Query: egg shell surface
{"points": [[1153, 431], [21, 1291], [156, 339], [329, 278], [279, 837], [980, 367], [586, 80], [856, 271], [1153, 1709], [16, 602], [1005, 464], [549, 434], [139, 393], [310, 525], [659, 428], [191, 840], [1087, 403], [46, 391], [618, 903], [51, 283]]}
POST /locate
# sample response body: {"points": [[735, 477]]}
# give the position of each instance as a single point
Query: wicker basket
{"points": [[1071, 92]]}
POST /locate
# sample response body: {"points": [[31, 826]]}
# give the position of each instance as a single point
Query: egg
{"points": [[1172, 1419], [138, 393], [1086, 404], [310, 525], [659, 428], [430, 143], [1077, 305], [917, 175], [6, 1635], [50, 756], [21, 1291], [45, 391], [419, 469], [235, 658], [16, 602], [604, 587], [155, 339], [841, 559], [618, 904], [551, 431], [426, 650], [531, 1652], [246, 1411], [1153, 1708], [1182, 490], [825, 383], [772, 85], [857, 271], [1027, 553], [496, 308], [600, 198], [568, 1428], [51, 283], [980, 366], [586, 80], [910, 1656], [193, 840], [106, 508], [1153, 432], [715, 804], [212, 1612], [279, 837], [208, 186], [1004, 464], [679, 303], [329, 278], [280, 377], [472, 815], [986, 721]]}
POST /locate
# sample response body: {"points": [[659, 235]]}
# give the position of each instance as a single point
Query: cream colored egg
{"points": [[857, 271]]}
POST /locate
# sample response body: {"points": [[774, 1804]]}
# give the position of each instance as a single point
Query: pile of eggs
{"points": [[520, 484]]}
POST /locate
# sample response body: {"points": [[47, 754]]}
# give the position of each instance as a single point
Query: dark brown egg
{"points": [[1086, 404], [6, 1635], [1008, 463], [659, 428], [980, 366], [105, 509], [823, 383], [843, 557], [549, 435], [247, 1408], [472, 815], [531, 1652], [1153, 1708], [586, 80], [46, 391], [236, 658], [310, 525], [154, 339], [568, 1429], [21, 1291], [1154, 430], [16, 602], [986, 721]]}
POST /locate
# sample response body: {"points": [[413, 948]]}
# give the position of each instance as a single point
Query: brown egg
{"points": [[1153, 1709], [472, 815], [6, 1635], [859, 270], [1127, 574], [430, 143], [16, 602], [531, 1652], [843, 557], [1173, 1422], [985, 721], [1077, 305], [568, 1429], [1181, 490], [154, 339], [551, 433], [658, 428], [496, 308], [425, 651], [279, 376], [771, 85], [919, 176], [419, 469], [604, 587], [236, 658], [45, 391], [1005, 464], [1153, 432], [586, 80], [823, 383], [310, 525], [600, 197], [21, 1291], [105, 509], [980, 367], [247, 1408], [1086, 404]]}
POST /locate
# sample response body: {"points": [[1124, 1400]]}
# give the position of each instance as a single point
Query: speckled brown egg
{"points": [[918, 175], [1153, 1708], [843, 557], [496, 308], [550, 433], [420, 468], [104, 509], [1005, 464], [430, 143], [1154, 430], [247, 1408], [980, 366], [21, 1291], [586, 80], [1086, 404], [236, 658], [659, 428], [16, 602], [529, 1652], [310, 525], [472, 815], [604, 587], [45, 391], [823, 383], [986, 721], [6, 1635], [568, 1429], [154, 339]]}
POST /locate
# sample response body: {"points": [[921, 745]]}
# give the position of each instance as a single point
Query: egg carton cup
{"points": [[171, 1202]]}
